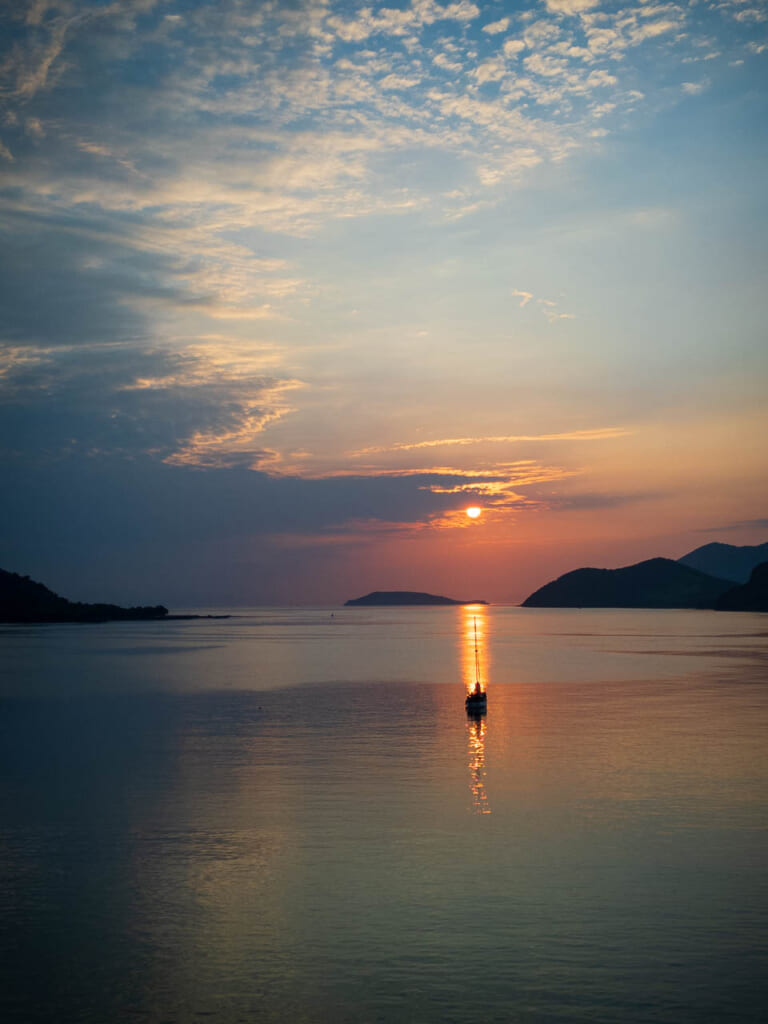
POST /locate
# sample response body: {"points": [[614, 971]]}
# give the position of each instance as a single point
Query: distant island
{"points": [[23, 600], [727, 561], [655, 583], [665, 583], [405, 597]]}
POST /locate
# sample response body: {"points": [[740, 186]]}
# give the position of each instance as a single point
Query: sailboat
{"points": [[477, 699]]}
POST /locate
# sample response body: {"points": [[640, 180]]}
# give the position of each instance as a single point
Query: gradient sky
{"points": [[285, 287]]}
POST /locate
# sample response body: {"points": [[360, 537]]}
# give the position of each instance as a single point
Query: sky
{"points": [[286, 287]]}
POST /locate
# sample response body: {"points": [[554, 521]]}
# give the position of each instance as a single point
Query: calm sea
{"points": [[286, 816]]}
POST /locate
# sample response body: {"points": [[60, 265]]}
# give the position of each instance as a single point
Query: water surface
{"points": [[287, 816]]}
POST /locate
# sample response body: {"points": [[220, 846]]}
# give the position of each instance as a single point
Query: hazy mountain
{"points": [[750, 597], [727, 561], [655, 583], [401, 597], [24, 600]]}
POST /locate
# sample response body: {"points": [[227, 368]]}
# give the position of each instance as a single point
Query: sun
{"points": [[474, 512]]}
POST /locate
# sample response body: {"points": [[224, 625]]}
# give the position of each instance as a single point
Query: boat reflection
{"points": [[476, 729]]}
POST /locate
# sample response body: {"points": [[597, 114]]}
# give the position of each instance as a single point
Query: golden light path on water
{"points": [[475, 662], [476, 727]]}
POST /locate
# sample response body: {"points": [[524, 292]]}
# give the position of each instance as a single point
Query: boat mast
{"points": [[477, 658]]}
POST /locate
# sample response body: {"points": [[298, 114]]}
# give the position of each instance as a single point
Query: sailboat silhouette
{"points": [[477, 699]]}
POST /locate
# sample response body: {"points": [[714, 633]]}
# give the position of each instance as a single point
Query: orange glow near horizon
{"points": [[474, 512]]}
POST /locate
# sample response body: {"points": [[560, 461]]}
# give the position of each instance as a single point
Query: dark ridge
{"points": [[24, 600], [750, 597], [726, 561], [405, 597], [655, 583]]}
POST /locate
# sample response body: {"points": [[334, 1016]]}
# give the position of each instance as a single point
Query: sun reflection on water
{"points": [[476, 729]]}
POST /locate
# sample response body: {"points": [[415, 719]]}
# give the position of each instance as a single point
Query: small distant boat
{"points": [[477, 699]]}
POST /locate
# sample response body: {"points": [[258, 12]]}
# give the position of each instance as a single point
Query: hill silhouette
{"points": [[749, 597], [727, 561], [655, 583], [24, 600], [405, 597]]}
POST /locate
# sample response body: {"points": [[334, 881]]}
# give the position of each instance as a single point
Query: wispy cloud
{"points": [[546, 306], [747, 524], [238, 444], [207, 405], [600, 434]]}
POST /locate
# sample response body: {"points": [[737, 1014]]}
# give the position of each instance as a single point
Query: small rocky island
{"points": [[405, 597]]}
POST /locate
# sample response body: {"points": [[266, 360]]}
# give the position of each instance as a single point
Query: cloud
{"points": [[164, 505], [398, 82], [371, 84], [613, 34], [650, 29], [236, 443], [350, 31], [746, 524], [549, 308], [162, 512], [442, 60], [751, 14], [489, 71], [64, 282], [400, 21], [588, 501], [695, 88], [513, 46], [28, 70], [494, 27], [572, 7], [546, 306], [200, 406], [33, 126], [100, 277], [546, 66], [599, 434]]}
